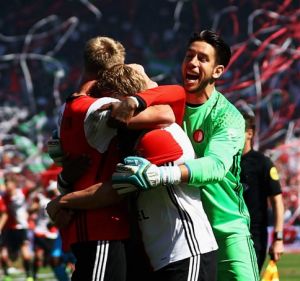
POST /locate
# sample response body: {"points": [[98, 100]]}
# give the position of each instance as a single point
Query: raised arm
{"points": [[153, 117], [172, 95]]}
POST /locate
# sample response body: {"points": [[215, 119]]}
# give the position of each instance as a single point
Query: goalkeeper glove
{"points": [[54, 149], [139, 174]]}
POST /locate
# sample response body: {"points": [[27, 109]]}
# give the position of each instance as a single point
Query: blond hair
{"points": [[101, 53], [121, 80]]}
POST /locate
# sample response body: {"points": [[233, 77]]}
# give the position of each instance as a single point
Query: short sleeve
{"points": [[272, 178], [97, 133]]}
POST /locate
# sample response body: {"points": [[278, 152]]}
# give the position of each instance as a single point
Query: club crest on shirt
{"points": [[198, 135]]}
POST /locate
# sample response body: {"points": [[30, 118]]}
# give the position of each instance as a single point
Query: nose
{"points": [[194, 60]]}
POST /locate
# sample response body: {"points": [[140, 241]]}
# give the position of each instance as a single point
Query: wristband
{"points": [[189, 171], [135, 100], [140, 102], [61, 181], [170, 175], [278, 235]]}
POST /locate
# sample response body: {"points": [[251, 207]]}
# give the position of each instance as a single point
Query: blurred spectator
{"points": [[45, 233], [15, 233]]}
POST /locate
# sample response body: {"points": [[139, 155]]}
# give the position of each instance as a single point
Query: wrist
{"points": [[278, 236], [139, 102], [63, 185], [170, 175], [135, 100]]}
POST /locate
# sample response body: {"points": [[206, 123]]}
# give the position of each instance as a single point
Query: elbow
{"points": [[165, 120], [167, 117]]}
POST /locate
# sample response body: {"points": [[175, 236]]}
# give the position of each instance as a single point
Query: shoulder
{"points": [[98, 103], [175, 89], [267, 161], [77, 104], [172, 87], [225, 113], [258, 154], [223, 104], [264, 161]]}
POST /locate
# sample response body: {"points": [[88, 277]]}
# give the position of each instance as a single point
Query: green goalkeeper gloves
{"points": [[139, 174]]}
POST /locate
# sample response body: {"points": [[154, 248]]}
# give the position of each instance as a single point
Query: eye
{"points": [[202, 58], [189, 56]]}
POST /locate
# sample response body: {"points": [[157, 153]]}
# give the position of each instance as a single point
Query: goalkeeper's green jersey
{"points": [[217, 131]]}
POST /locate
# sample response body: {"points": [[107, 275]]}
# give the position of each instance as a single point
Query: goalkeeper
{"points": [[216, 130]]}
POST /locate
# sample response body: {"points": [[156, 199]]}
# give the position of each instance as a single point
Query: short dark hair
{"points": [[249, 120], [223, 51]]}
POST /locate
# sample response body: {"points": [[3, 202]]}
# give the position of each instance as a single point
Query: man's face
{"points": [[199, 67], [249, 134]]}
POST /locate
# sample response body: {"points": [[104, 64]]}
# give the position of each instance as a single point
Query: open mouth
{"points": [[191, 77]]}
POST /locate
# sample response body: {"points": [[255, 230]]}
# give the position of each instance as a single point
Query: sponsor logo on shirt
{"points": [[198, 136]]}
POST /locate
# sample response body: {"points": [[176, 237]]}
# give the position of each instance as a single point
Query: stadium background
{"points": [[41, 45]]}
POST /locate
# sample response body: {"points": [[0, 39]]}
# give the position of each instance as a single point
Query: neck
{"points": [[85, 87], [247, 147], [200, 97]]}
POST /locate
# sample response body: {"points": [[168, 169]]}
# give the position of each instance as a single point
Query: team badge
{"points": [[198, 136], [274, 174]]}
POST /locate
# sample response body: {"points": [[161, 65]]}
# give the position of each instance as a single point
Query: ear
{"points": [[249, 134], [218, 70]]}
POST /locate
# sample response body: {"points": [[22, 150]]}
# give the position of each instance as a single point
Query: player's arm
{"points": [[153, 117], [99, 135], [3, 219], [219, 157], [95, 196], [3, 214], [61, 209], [102, 194], [174, 95]]}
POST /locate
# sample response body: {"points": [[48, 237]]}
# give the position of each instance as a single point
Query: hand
{"points": [[59, 216], [139, 173], [54, 150], [276, 250], [63, 218], [53, 207], [136, 173], [121, 113]]}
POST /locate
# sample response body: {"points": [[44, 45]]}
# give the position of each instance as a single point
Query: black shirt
{"points": [[260, 180]]}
